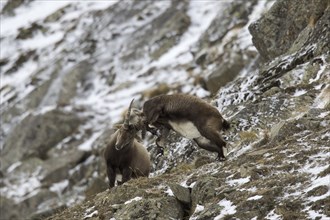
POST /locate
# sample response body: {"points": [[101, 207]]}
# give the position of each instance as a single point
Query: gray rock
{"points": [[30, 204], [70, 81], [181, 193], [274, 132], [238, 11], [98, 185], [8, 209], [10, 6], [31, 101], [276, 31], [46, 213], [209, 212], [204, 190], [230, 59], [57, 168], [318, 191], [161, 208], [162, 33], [36, 134], [225, 73], [176, 24]]}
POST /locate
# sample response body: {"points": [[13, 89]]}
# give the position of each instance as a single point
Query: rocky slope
{"points": [[70, 69]]}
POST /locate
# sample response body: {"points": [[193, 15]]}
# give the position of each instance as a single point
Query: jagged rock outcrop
{"points": [[91, 60], [37, 134], [288, 25], [223, 43]]}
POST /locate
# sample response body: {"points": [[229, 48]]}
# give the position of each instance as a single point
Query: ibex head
{"points": [[126, 132]]}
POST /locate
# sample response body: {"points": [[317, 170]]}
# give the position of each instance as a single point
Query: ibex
{"points": [[188, 115], [125, 155]]}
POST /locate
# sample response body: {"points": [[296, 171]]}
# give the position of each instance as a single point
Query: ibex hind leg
{"points": [[210, 146], [212, 133]]}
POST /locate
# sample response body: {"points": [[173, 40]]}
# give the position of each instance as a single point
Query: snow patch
{"points": [[199, 208], [41, 41], [90, 212], [12, 167], [316, 182], [138, 198], [36, 10], [228, 209], [315, 215], [88, 144], [253, 189], [273, 216], [184, 183], [201, 14], [238, 182], [59, 187], [320, 72], [241, 151], [323, 99], [169, 192], [85, 6], [254, 197], [2, 4], [18, 81], [24, 188], [299, 93]]}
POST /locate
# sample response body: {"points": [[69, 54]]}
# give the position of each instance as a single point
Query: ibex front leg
{"points": [[127, 174], [111, 176]]}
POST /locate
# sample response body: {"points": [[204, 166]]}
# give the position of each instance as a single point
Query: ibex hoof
{"points": [[160, 150], [221, 159]]}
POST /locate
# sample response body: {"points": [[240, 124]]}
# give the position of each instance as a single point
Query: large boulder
{"points": [[160, 208], [219, 50], [10, 6], [35, 135], [8, 205], [278, 30]]}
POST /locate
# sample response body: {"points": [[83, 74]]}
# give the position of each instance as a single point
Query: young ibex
{"points": [[188, 115], [125, 155]]}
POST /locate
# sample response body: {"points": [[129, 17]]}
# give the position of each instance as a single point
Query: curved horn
{"points": [[128, 113]]}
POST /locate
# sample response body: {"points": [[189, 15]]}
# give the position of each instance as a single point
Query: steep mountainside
{"points": [[69, 70]]}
